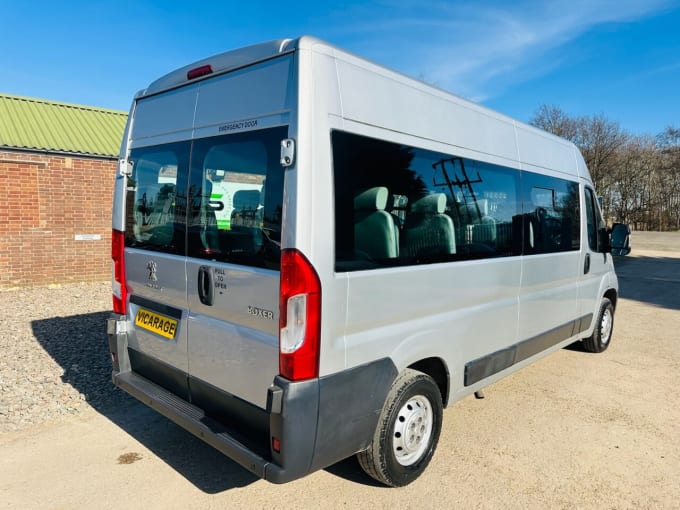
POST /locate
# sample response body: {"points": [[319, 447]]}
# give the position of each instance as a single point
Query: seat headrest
{"points": [[372, 199], [431, 204]]}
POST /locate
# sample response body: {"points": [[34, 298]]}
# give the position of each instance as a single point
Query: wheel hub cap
{"points": [[412, 430], [606, 326]]}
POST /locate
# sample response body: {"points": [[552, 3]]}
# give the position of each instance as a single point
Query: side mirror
{"points": [[620, 239], [603, 241]]}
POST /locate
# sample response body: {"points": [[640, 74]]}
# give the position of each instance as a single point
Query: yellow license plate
{"points": [[156, 323]]}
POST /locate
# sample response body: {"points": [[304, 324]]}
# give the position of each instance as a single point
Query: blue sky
{"points": [[620, 58]]}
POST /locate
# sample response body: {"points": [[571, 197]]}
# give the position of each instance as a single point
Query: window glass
{"points": [[236, 198], [156, 200], [551, 214], [399, 205]]}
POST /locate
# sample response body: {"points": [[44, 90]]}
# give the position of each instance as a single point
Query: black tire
{"points": [[414, 404], [604, 327]]}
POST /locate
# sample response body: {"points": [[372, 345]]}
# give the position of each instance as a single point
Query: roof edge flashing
{"points": [[56, 152], [60, 104]]}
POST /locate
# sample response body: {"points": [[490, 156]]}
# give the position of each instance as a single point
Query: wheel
{"points": [[407, 432], [602, 334]]}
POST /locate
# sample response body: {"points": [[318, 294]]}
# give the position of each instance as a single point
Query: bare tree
{"points": [[554, 120], [668, 144], [632, 193], [599, 139]]}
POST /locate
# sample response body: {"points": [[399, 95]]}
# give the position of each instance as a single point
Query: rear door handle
{"points": [[206, 287], [586, 265]]}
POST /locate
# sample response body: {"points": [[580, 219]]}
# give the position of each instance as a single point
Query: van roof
{"points": [[242, 57]]}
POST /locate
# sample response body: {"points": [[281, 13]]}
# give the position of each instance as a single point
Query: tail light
{"points": [[299, 317], [118, 283]]}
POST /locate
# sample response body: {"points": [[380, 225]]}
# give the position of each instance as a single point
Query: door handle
{"points": [[206, 287], [586, 265]]}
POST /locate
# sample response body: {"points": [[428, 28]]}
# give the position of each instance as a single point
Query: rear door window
{"points": [[236, 198], [156, 198]]}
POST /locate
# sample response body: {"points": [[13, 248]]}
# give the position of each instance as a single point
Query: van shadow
{"points": [[350, 470], [79, 344], [652, 280]]}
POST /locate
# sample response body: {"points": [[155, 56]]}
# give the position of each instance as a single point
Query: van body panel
{"points": [[449, 121], [549, 292], [311, 221], [244, 94], [483, 302], [533, 150], [234, 342], [167, 290], [169, 116]]}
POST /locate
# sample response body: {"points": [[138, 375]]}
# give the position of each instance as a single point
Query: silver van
{"points": [[314, 255]]}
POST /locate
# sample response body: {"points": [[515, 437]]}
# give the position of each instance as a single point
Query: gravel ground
{"points": [[54, 360]]}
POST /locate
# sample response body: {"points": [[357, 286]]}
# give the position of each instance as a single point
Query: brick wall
{"points": [[46, 202]]}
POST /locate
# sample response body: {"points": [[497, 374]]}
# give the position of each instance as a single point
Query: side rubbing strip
{"points": [[488, 365], [585, 323]]}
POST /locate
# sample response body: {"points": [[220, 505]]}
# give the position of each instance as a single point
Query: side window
{"points": [[156, 198], [551, 215], [484, 200], [236, 198], [397, 205], [593, 219]]}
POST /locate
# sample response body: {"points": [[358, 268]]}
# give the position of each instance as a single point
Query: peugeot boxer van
{"points": [[314, 255]]}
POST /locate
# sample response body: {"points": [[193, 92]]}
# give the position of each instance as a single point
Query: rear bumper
{"points": [[317, 422], [190, 418]]}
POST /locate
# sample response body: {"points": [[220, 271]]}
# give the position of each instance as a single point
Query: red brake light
{"points": [[299, 317], [199, 71], [119, 285]]}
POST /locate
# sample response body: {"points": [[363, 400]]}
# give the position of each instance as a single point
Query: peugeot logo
{"points": [[151, 266]]}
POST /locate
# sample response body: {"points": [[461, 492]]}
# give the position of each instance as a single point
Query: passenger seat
{"points": [[428, 231], [374, 229]]}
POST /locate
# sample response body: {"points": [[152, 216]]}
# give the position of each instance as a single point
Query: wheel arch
{"points": [[436, 368], [612, 295]]}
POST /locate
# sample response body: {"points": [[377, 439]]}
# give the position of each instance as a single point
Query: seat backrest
{"points": [[374, 229], [428, 231]]}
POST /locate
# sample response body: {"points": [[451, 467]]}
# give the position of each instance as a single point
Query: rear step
{"points": [[191, 418]]}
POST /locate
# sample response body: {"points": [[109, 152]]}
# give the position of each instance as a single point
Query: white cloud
{"points": [[476, 49]]}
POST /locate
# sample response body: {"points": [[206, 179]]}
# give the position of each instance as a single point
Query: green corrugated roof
{"points": [[50, 126]]}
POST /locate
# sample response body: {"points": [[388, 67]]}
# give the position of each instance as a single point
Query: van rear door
{"points": [[207, 177], [156, 262], [234, 246]]}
